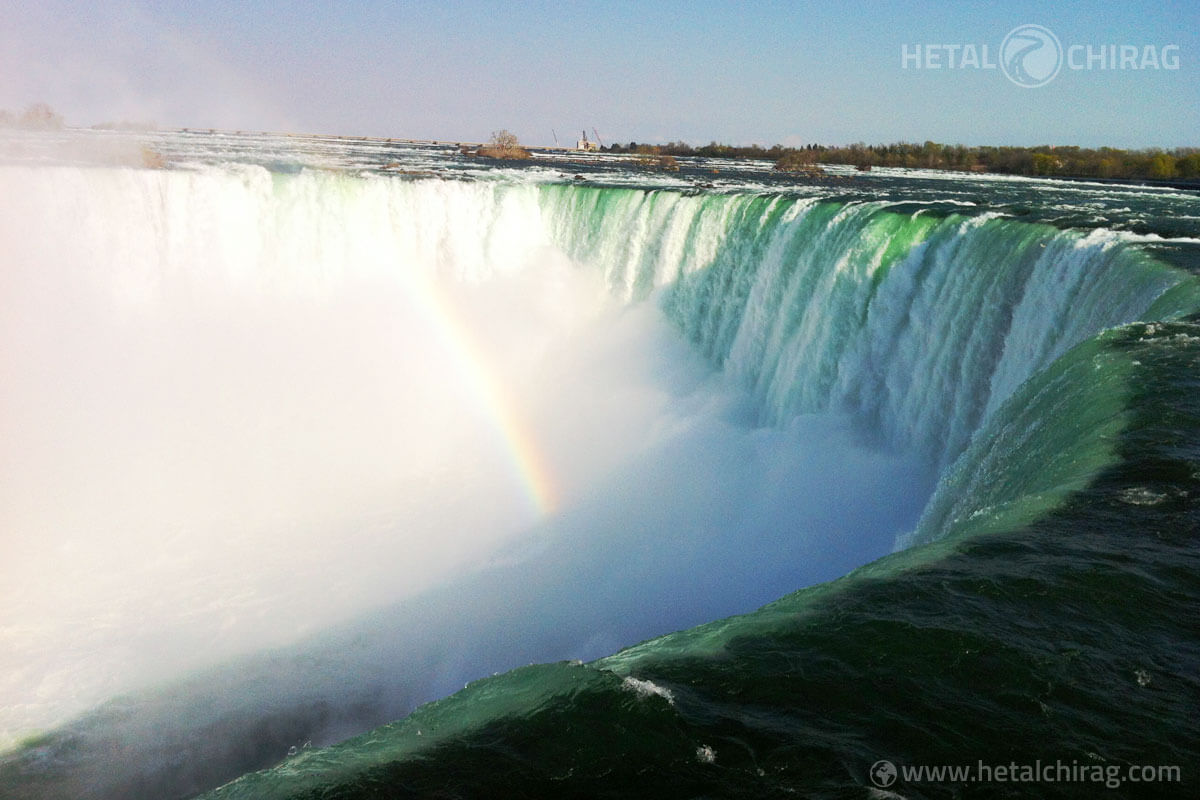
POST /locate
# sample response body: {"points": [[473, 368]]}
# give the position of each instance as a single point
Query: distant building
{"points": [[584, 144]]}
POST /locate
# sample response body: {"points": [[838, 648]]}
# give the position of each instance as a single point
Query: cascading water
{"points": [[921, 324], [243, 406], [274, 402]]}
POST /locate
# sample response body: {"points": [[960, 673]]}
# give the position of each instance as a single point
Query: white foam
{"points": [[644, 688], [230, 423]]}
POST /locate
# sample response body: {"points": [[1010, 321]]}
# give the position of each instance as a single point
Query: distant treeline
{"points": [[1104, 162], [41, 117], [38, 116]]}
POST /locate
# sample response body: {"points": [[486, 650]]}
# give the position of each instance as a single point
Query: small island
{"points": [[505, 145]]}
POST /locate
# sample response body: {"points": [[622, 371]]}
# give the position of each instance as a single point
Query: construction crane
{"points": [[555, 135], [598, 141]]}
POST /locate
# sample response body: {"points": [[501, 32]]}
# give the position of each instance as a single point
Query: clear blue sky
{"points": [[739, 73]]}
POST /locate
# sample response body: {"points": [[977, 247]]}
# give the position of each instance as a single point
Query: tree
{"points": [[40, 115], [1162, 166], [653, 158], [1189, 165], [803, 161], [1065, 160], [504, 144], [1045, 164], [505, 139]]}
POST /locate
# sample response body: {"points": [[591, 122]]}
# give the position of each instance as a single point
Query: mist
{"points": [[255, 466], [126, 61]]}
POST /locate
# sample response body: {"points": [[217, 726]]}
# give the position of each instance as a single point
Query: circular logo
{"points": [[1031, 56], [883, 773]]}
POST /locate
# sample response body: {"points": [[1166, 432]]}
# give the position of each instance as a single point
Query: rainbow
{"points": [[528, 461]]}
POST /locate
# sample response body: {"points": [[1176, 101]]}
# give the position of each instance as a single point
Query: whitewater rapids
{"points": [[305, 450]]}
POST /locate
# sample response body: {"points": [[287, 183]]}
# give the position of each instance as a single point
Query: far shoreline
{"points": [[1182, 183], [563, 154]]}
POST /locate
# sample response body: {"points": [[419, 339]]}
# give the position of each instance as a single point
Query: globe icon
{"points": [[1031, 56], [883, 773]]}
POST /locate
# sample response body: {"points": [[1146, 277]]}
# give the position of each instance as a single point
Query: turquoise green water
{"points": [[1052, 633], [1041, 613], [1039, 359]]}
